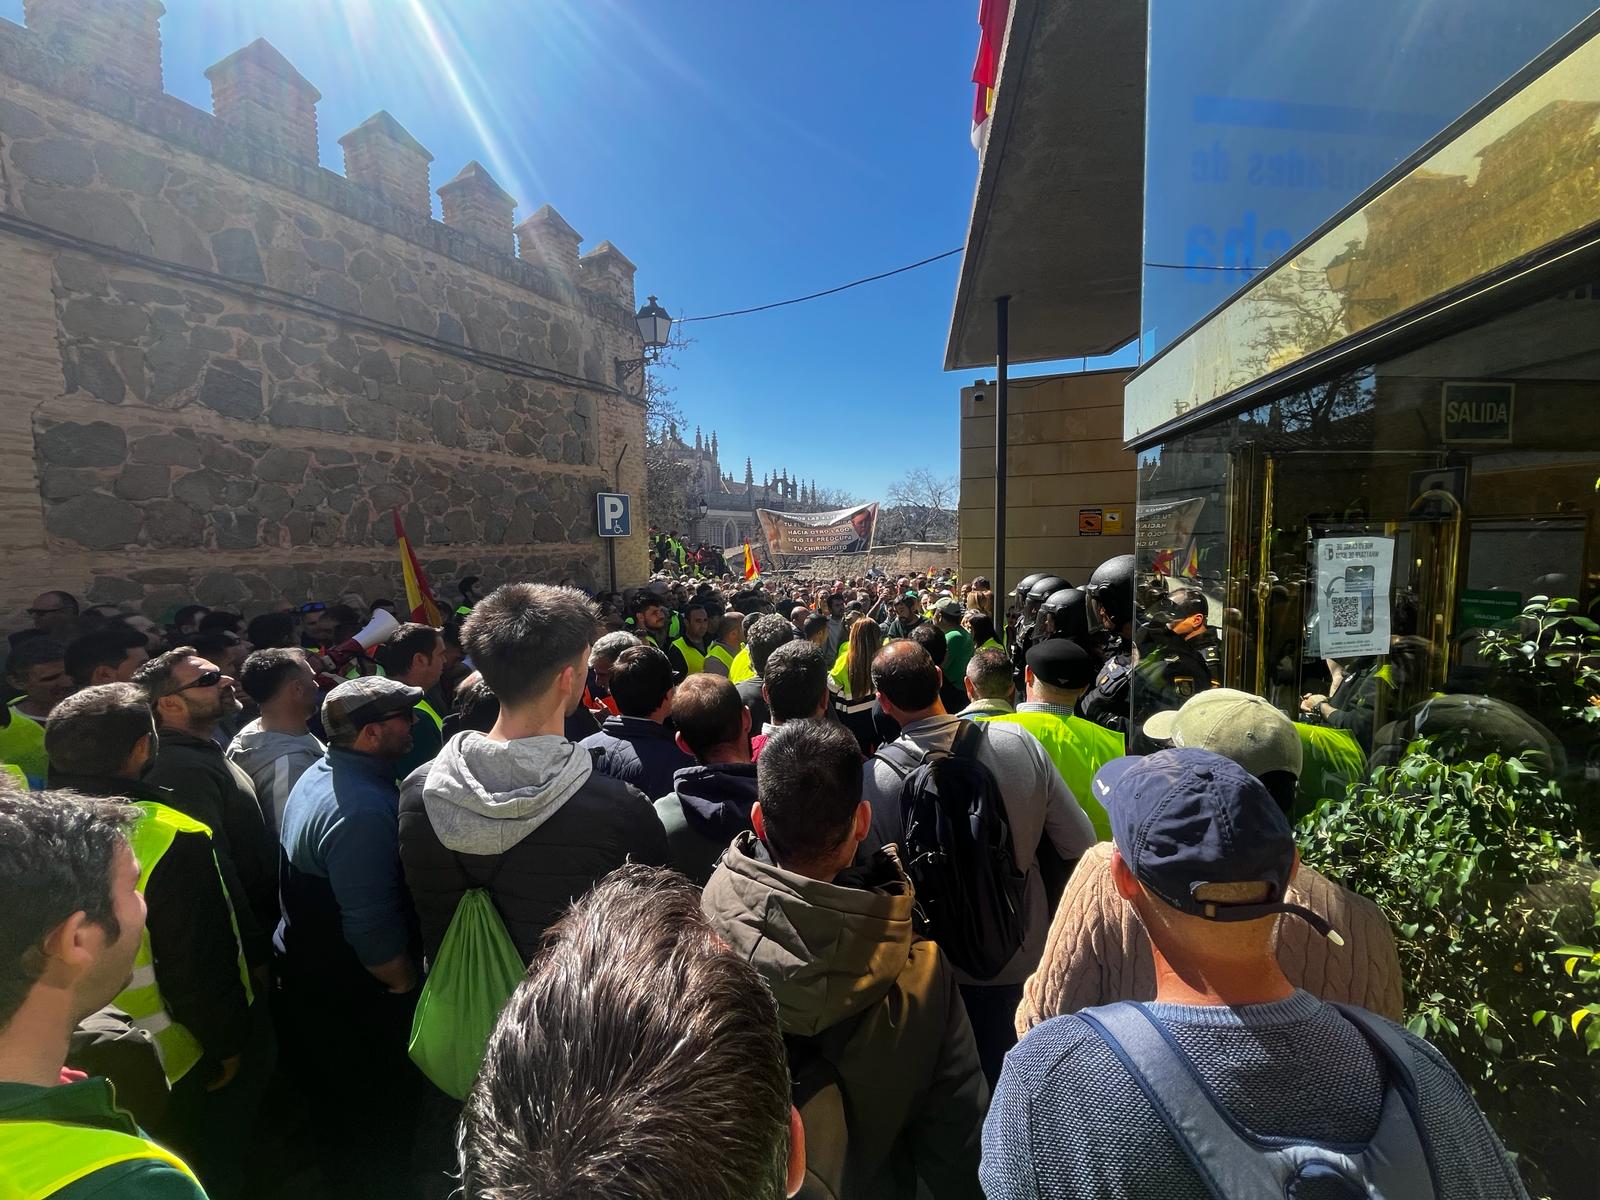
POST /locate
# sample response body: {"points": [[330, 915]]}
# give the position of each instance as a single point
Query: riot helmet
{"points": [[1066, 614], [1111, 588], [1043, 587], [1025, 584]]}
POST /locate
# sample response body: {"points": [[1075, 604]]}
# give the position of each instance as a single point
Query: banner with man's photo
{"points": [[842, 531]]}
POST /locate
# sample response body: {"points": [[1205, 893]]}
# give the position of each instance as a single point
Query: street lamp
{"points": [[703, 510], [655, 325]]}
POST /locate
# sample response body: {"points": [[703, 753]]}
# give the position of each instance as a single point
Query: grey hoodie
{"points": [[529, 820], [484, 796], [855, 985], [274, 761]]}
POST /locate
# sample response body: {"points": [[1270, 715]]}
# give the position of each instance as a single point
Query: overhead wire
{"points": [[843, 287]]}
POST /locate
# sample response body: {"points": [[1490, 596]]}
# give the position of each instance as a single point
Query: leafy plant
{"points": [[1549, 660], [1481, 869], [1582, 963]]}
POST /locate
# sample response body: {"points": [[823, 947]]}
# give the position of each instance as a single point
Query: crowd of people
{"points": [[849, 888]]}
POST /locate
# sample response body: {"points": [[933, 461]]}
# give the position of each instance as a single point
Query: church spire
{"points": [[749, 472], [698, 443]]}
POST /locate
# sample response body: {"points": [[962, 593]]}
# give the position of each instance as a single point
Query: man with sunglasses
{"points": [[346, 949], [190, 695], [55, 613]]}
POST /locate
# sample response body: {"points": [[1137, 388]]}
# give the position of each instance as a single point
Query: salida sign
{"points": [[1477, 412]]}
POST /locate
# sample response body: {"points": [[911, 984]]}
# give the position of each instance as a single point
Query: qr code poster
{"points": [[1353, 575]]}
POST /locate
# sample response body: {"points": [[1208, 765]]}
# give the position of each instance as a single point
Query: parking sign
{"points": [[613, 514]]}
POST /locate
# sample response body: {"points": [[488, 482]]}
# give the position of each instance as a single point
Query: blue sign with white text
{"points": [[613, 514]]}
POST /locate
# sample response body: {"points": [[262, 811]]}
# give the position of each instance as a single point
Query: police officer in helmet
{"points": [[1110, 603], [1179, 655]]}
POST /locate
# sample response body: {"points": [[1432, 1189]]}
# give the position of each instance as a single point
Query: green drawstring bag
{"points": [[474, 974]]}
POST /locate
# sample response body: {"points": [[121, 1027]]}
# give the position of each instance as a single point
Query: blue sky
{"points": [[738, 152]]}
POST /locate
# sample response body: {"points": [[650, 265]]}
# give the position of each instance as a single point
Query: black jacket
{"points": [[207, 787], [529, 820], [707, 808], [639, 751], [750, 693], [191, 929]]}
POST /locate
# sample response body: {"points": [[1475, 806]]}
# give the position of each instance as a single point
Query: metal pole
{"points": [[1002, 351], [611, 543]]}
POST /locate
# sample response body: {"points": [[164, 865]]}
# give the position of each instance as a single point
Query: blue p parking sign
{"points": [[613, 514]]}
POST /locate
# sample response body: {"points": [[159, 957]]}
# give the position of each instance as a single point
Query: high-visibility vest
{"points": [[991, 644], [720, 652], [43, 1158], [1078, 748], [424, 706], [151, 837], [693, 659], [741, 668], [841, 669]]}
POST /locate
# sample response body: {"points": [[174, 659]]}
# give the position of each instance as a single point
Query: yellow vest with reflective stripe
{"points": [[42, 1158], [693, 659], [424, 706], [720, 652], [741, 668], [151, 837], [1079, 749]]}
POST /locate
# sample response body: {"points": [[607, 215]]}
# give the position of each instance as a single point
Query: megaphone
{"points": [[377, 630]]}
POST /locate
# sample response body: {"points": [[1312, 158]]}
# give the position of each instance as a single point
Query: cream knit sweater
{"points": [[1098, 952]]}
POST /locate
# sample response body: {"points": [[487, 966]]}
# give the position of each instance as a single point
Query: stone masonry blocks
{"points": [[257, 90], [118, 39]]}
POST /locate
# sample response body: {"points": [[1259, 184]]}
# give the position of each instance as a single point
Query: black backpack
{"points": [[956, 846]]}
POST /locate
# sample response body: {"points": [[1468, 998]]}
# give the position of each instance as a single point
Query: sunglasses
{"points": [[203, 680], [314, 607]]}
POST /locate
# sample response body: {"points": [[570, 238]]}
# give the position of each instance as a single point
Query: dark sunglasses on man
{"points": [[203, 680]]}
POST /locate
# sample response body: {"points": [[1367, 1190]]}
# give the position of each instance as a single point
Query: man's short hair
{"points": [[765, 636], [270, 630], [187, 613], [266, 671], [609, 645], [107, 646], [991, 675], [809, 789], [640, 680], [69, 602], [640, 1058], [931, 638], [219, 619], [814, 625], [906, 676], [707, 711], [214, 644], [728, 623], [155, 677], [522, 635], [92, 732], [397, 651], [34, 652], [58, 852], [795, 681]]}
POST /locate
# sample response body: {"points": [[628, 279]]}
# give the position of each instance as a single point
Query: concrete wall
{"points": [[1064, 455], [222, 366]]}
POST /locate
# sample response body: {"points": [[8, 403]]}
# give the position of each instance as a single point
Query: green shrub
{"points": [[1482, 871]]}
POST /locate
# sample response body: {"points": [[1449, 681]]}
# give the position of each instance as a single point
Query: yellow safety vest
{"points": [[991, 644], [841, 670], [1078, 748], [720, 652], [43, 1158], [741, 668], [179, 1050], [693, 659], [424, 706]]}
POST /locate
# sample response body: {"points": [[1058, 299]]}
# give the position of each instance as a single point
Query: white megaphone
{"points": [[377, 630]]}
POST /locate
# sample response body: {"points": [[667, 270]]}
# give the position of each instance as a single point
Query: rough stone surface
{"points": [[189, 418]]}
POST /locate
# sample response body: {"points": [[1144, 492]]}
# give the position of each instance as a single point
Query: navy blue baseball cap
{"points": [[1185, 818]]}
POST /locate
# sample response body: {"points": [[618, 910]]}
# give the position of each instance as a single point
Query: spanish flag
{"points": [[751, 567], [992, 15], [419, 596]]}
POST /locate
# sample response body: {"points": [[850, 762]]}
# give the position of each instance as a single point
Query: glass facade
{"points": [[1264, 118], [1365, 548]]}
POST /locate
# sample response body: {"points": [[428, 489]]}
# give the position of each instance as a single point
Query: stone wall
{"points": [[221, 367]]}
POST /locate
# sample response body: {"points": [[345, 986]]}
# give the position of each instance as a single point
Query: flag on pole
{"points": [[419, 595], [751, 567], [986, 70]]}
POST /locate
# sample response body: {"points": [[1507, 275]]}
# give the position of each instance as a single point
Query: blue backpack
{"points": [[1393, 1165]]}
